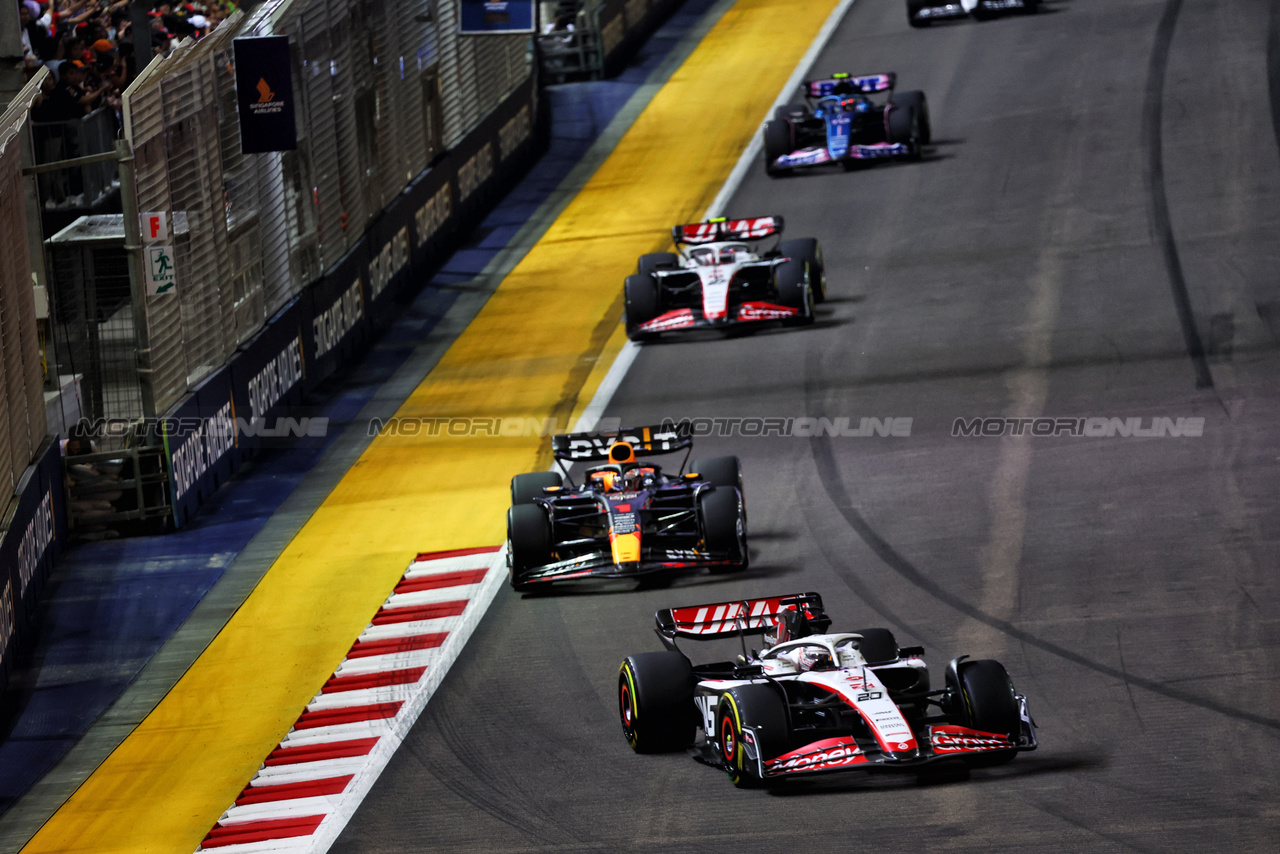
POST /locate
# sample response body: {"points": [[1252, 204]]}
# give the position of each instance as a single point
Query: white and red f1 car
{"points": [[724, 277], [813, 702]]}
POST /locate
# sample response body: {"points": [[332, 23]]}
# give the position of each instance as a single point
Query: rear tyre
{"points": [[758, 708], [641, 293], [916, 99], [810, 250], [526, 487], [988, 704], [655, 702], [878, 646], [655, 260], [529, 541], [777, 143], [723, 528], [793, 288]]}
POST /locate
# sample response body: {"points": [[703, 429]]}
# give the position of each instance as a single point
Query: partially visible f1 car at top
{"points": [[813, 702], [629, 517], [922, 13], [839, 122], [724, 276]]}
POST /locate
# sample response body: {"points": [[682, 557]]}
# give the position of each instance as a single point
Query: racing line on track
{"points": [[1153, 135]]}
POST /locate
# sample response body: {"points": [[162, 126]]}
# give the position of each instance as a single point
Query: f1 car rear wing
{"points": [[739, 618], [847, 84], [721, 228], [594, 447]]}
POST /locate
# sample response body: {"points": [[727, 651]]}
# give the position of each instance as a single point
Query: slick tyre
{"points": [[655, 702], [529, 540], [1030, 7], [777, 143], [878, 646], [724, 526], [654, 261], [641, 294], [758, 708], [904, 128], [720, 471], [917, 101], [810, 250], [526, 487], [793, 289], [988, 704], [790, 111]]}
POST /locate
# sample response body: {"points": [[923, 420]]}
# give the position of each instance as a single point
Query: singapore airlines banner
{"points": [[264, 94], [495, 16]]}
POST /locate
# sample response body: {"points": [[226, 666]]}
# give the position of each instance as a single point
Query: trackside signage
{"points": [[342, 315], [196, 452], [275, 379], [389, 263], [264, 94], [36, 538]]}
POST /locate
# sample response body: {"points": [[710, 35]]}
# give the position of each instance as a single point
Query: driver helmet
{"points": [[637, 478], [857, 105], [727, 255], [814, 658], [607, 480]]}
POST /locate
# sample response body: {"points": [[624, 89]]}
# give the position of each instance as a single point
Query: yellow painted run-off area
{"points": [[538, 349]]}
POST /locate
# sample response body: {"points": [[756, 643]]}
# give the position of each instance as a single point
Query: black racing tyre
{"points": [[758, 707], [777, 142], [904, 127], [791, 111], [912, 8], [723, 527], [810, 250], [526, 487], [648, 263], [1030, 7], [529, 541], [641, 293], [793, 290], [720, 471], [655, 702], [988, 704], [915, 98], [878, 646]]}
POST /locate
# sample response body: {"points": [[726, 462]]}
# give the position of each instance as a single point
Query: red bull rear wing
{"points": [[594, 447]]}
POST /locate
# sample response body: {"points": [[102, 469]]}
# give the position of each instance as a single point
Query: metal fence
{"points": [[22, 421], [382, 86]]}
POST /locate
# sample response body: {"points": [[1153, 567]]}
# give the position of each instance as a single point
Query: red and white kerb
{"points": [[309, 787]]}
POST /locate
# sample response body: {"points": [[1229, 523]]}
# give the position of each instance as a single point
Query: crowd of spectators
{"points": [[89, 47]]}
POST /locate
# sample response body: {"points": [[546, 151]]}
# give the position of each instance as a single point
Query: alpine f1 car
{"points": [[839, 122], [628, 518], [724, 276], [813, 702], [922, 13]]}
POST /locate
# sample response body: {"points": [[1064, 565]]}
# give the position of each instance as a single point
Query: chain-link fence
{"points": [[22, 421]]}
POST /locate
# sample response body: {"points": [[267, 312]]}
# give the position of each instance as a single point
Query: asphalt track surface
{"points": [[1094, 234]]}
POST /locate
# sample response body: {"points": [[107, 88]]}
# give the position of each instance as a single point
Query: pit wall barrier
{"points": [[34, 529], [235, 409]]}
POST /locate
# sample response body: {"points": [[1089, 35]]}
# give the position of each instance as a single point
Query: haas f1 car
{"points": [[922, 13], [628, 518], [839, 122], [813, 702], [723, 277]]}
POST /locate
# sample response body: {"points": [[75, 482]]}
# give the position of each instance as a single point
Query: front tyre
{"points": [[641, 293], [526, 487], [724, 527], [656, 261], [989, 704], [777, 143], [528, 541], [792, 278], [810, 250], [751, 728], [655, 702]]}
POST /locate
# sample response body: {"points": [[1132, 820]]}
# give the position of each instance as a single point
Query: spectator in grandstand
{"points": [[70, 99], [36, 41]]}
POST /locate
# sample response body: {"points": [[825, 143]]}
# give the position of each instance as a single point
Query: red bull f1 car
{"points": [[838, 121], [812, 701], [723, 277], [922, 13], [628, 518]]}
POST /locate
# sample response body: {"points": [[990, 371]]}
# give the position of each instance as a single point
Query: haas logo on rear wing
{"points": [[745, 616], [720, 229], [845, 84], [588, 447]]}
